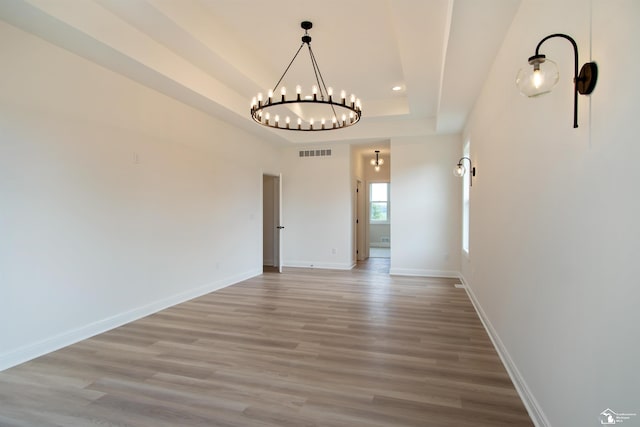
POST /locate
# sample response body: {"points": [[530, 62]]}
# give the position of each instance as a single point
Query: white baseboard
{"points": [[322, 265], [37, 349], [423, 272], [533, 408]]}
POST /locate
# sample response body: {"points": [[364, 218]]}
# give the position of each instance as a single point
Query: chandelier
{"points": [[312, 112], [377, 161]]}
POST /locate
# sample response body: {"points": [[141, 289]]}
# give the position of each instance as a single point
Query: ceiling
{"points": [[215, 55]]}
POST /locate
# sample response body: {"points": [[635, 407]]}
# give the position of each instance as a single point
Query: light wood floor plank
{"points": [[302, 348]]}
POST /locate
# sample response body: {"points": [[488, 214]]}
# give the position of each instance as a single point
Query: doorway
{"points": [[379, 219], [360, 237], [272, 223]]}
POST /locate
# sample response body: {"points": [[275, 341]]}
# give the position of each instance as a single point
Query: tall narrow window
{"points": [[379, 202], [465, 201]]}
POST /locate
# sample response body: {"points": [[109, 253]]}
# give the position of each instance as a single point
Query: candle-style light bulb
{"points": [[254, 102], [537, 78], [287, 121], [334, 121], [344, 119], [330, 92], [299, 123], [283, 92], [259, 99], [298, 92], [277, 119], [270, 95]]}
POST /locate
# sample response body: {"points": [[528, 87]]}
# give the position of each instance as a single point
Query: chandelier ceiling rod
{"points": [[306, 39]]}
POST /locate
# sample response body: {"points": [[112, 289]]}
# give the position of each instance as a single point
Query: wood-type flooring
{"points": [[307, 347]]}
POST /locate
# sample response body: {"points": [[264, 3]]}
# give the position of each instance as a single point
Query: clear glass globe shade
{"points": [[537, 80], [459, 170]]}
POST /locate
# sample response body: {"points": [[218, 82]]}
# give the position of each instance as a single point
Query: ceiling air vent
{"points": [[315, 153]]}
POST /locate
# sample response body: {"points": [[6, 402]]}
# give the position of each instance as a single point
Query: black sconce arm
{"points": [[583, 82], [573, 43], [472, 169], [575, 71]]}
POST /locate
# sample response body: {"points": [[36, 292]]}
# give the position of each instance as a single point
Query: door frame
{"points": [[360, 222], [274, 228], [368, 207]]}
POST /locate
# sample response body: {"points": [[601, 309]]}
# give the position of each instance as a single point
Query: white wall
{"points": [[380, 235], [317, 208], [554, 215], [115, 201], [426, 204]]}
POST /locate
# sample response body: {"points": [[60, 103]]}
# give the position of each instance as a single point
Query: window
{"points": [[465, 202], [379, 202]]}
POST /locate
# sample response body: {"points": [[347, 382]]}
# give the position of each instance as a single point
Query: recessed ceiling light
{"points": [[396, 88]]}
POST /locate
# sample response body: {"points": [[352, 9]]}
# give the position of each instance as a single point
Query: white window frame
{"points": [[388, 220]]}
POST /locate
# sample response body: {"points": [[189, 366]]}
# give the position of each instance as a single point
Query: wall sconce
{"points": [[460, 170], [377, 161], [542, 75]]}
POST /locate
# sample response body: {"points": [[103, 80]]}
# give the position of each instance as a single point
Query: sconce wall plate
{"points": [[586, 81]]}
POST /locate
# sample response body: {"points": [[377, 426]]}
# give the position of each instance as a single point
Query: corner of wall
{"points": [[531, 404]]}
